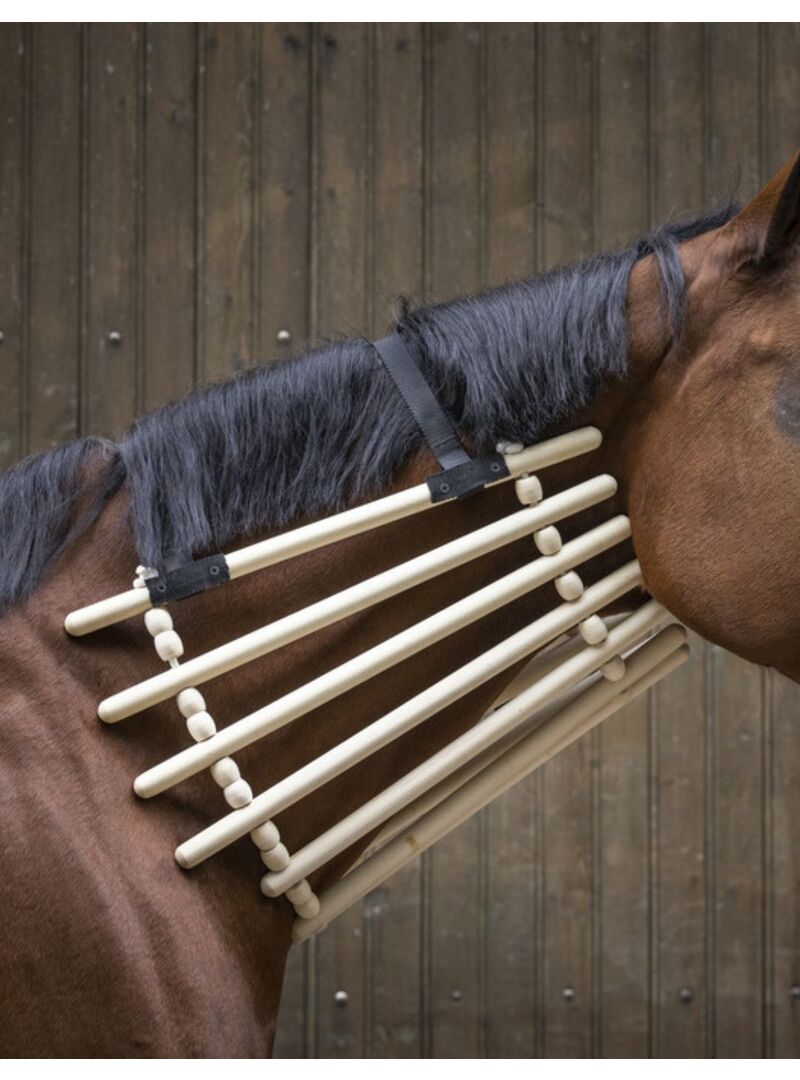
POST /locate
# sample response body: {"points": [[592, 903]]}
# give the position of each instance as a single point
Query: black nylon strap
{"points": [[432, 420], [189, 579]]}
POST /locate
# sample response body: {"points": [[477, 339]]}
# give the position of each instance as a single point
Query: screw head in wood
{"points": [[795, 992], [284, 337], [686, 995], [341, 998], [114, 337], [568, 994]]}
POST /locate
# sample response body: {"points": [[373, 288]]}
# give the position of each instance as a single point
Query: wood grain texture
{"points": [[454, 264], [567, 939], [511, 226], [678, 960], [199, 189], [14, 125], [621, 810], [393, 918], [342, 88]]}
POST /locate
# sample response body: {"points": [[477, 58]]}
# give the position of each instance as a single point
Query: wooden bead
{"points": [[157, 620], [614, 670], [309, 910], [238, 794], [569, 586], [168, 644], [266, 836], [593, 630], [225, 771], [277, 859], [548, 540], [529, 490], [300, 893], [201, 726], [191, 701]]}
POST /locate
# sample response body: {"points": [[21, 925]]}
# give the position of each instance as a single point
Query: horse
{"points": [[682, 349]]}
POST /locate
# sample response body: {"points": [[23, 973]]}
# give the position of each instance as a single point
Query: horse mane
{"points": [[310, 435]]}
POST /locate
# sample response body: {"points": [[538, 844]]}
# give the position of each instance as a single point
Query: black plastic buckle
{"points": [[465, 479], [189, 579]]}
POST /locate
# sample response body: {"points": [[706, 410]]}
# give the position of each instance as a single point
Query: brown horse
{"points": [[109, 948]]}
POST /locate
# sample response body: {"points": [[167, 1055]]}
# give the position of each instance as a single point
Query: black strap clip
{"points": [[188, 580], [467, 478], [461, 474]]}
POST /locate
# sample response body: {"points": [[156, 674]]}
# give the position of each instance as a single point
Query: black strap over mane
{"points": [[461, 474]]}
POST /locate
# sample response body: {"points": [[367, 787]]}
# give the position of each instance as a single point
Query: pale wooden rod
{"points": [[374, 812], [423, 705], [329, 530], [380, 657], [540, 665], [364, 594], [647, 666]]}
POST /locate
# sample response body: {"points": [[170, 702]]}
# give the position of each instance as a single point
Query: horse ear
{"points": [[770, 223], [784, 226]]}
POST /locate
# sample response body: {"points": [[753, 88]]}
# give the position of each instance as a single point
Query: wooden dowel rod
{"points": [[349, 601], [478, 738], [329, 530], [368, 664], [541, 664], [427, 703], [575, 720]]}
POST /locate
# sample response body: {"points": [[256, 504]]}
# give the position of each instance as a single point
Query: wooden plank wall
{"points": [[175, 200]]}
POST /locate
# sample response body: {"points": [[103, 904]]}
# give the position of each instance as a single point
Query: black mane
{"points": [[308, 436]]}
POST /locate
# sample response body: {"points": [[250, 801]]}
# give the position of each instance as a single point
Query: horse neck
{"points": [[80, 787]]}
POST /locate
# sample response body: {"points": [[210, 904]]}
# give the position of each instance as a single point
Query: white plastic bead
{"points": [[300, 893], [266, 836], [191, 701], [593, 630], [225, 771], [168, 645], [529, 490], [614, 670], [569, 586], [201, 726], [548, 540], [309, 910], [157, 620], [504, 447], [277, 859], [238, 794], [138, 583]]}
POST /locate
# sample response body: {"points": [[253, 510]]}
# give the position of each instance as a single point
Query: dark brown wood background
{"points": [[175, 196]]}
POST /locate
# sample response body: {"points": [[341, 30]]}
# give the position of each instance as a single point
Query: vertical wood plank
{"points": [[568, 781], [678, 955], [736, 688], [226, 311], [283, 175], [454, 168], [781, 137], [13, 222], [343, 83], [110, 342], [283, 187], [55, 235], [169, 211], [622, 832], [510, 243], [393, 918]]}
